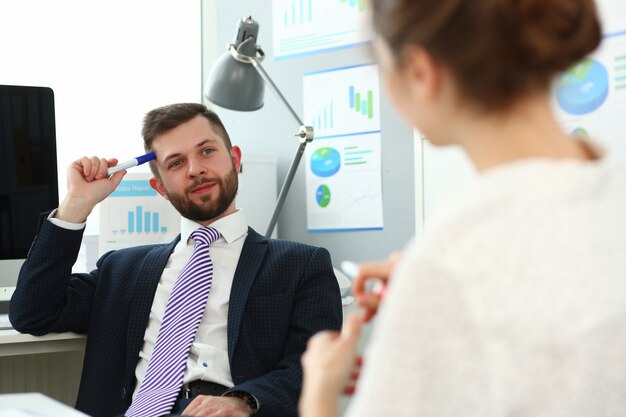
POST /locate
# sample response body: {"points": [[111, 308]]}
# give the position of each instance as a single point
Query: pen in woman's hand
{"points": [[372, 285]]}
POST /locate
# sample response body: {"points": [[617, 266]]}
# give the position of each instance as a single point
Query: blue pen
{"points": [[132, 163]]}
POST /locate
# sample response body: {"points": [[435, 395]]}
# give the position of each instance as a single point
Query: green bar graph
{"points": [[361, 105], [361, 5]]}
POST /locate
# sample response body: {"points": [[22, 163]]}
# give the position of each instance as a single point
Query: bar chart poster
{"points": [[135, 214], [306, 26], [590, 97], [344, 183], [342, 101]]}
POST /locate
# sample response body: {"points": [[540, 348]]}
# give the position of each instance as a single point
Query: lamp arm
{"points": [[306, 135], [285, 188], [256, 63]]}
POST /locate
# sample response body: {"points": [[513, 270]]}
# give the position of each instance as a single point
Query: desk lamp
{"points": [[237, 81]]}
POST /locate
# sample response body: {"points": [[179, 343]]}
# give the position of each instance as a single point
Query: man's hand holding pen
{"points": [[87, 185]]}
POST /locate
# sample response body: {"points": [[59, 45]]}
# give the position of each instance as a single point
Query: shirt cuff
{"points": [[63, 224]]}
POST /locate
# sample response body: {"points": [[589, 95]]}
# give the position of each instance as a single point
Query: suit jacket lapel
{"points": [[254, 250], [145, 288]]}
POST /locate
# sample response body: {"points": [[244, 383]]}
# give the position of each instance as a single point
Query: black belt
{"points": [[198, 387]]}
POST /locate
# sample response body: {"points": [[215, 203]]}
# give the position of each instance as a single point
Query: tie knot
{"points": [[206, 235]]}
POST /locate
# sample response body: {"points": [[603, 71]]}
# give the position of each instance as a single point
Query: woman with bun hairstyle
{"points": [[513, 303]]}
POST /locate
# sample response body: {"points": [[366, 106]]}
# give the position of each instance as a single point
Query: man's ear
{"points": [[157, 185], [235, 155]]}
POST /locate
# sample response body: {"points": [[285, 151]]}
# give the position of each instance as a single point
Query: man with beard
{"points": [[266, 298]]}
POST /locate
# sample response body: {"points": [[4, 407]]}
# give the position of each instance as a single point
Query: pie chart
{"points": [[325, 162], [583, 88], [322, 195]]}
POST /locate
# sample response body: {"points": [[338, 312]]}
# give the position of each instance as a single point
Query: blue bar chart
{"points": [[323, 119], [297, 12], [149, 224], [135, 214], [306, 26]]}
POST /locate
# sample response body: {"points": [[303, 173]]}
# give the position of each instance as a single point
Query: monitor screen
{"points": [[28, 171]]}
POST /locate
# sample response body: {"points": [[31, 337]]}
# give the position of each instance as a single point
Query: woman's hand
{"points": [[329, 369], [378, 271]]}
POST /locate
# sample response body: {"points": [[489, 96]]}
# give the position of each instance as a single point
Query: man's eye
{"points": [[207, 151], [175, 164]]}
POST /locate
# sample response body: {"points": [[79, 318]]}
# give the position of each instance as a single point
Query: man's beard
{"points": [[210, 209]]}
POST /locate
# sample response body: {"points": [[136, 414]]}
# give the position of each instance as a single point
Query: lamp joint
{"points": [[306, 133]]}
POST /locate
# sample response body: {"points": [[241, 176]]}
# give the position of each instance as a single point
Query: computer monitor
{"points": [[28, 173]]}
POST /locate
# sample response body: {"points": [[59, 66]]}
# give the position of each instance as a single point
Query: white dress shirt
{"points": [[208, 358]]}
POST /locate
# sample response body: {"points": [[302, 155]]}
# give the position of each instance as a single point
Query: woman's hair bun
{"points": [[550, 35], [498, 50]]}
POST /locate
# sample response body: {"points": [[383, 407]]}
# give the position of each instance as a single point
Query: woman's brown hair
{"points": [[498, 50]]}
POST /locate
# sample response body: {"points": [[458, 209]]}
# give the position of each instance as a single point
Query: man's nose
{"points": [[195, 168]]}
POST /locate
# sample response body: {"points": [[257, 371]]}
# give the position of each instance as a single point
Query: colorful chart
{"points": [[342, 101], [325, 162], [322, 195], [307, 26], [140, 221], [344, 183], [135, 214], [362, 103], [592, 94], [583, 88]]}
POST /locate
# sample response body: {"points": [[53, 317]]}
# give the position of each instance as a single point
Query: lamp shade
{"points": [[234, 84]]}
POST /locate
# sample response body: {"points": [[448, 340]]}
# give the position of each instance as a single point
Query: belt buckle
{"points": [[186, 391]]}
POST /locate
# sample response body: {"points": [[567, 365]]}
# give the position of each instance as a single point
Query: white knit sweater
{"points": [[512, 305]]}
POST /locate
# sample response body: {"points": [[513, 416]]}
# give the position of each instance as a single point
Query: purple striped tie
{"points": [[166, 368]]}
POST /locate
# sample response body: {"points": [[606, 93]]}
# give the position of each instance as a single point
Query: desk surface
{"points": [[13, 342], [34, 404]]}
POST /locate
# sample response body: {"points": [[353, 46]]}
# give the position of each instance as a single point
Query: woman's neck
{"points": [[528, 130]]}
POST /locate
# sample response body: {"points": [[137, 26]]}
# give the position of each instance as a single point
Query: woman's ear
{"points": [[157, 185], [423, 72]]}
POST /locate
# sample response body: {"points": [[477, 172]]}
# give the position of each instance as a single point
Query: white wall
{"points": [[108, 62]]}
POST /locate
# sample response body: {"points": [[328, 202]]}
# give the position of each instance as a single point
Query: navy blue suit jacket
{"points": [[282, 293]]}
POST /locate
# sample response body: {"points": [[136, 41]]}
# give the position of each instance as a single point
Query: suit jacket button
{"points": [[123, 393]]}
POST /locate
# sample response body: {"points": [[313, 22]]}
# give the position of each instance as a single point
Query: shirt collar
{"points": [[232, 227]]}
